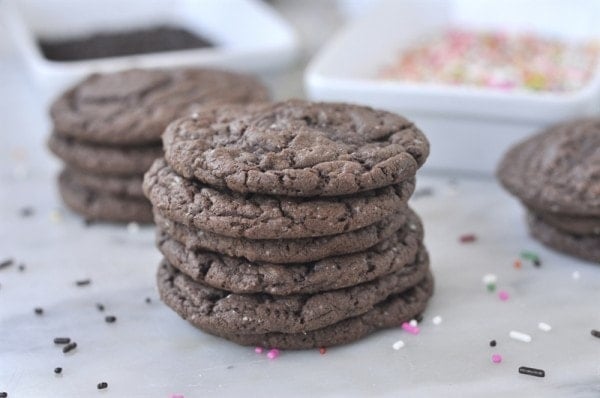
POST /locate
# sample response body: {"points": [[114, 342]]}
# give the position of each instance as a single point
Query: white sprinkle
{"points": [[413, 323], [489, 278], [55, 216], [398, 344], [544, 327], [525, 338], [576, 275], [437, 320], [133, 228]]}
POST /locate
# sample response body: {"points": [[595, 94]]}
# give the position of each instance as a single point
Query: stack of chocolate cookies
{"points": [[556, 175], [107, 131], [286, 225]]}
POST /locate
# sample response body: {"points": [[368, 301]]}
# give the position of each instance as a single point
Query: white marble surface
{"points": [[151, 352]]}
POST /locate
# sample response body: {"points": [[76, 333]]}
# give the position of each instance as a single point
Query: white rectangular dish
{"points": [[469, 128], [248, 35]]}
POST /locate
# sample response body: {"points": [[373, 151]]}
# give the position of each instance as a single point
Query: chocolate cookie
{"points": [[578, 225], [284, 251], [130, 186], [256, 216], [178, 293], [262, 313], [104, 159], [100, 206], [135, 106], [557, 171], [296, 148], [241, 276], [586, 247]]}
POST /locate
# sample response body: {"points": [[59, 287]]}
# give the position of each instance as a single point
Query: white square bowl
{"points": [[248, 35], [469, 127]]}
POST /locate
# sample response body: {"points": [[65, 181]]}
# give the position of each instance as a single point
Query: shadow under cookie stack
{"points": [[107, 131], [286, 225]]}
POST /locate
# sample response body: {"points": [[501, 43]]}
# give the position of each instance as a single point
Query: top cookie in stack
{"points": [[107, 130], [556, 174], [286, 224]]}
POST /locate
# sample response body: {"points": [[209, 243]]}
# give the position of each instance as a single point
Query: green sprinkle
{"points": [[526, 255], [491, 287]]}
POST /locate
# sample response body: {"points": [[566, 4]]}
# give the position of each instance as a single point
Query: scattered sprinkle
{"points": [[493, 343], [26, 212], [177, 396], [437, 320], [38, 311], [133, 228], [57, 371], [83, 282], [322, 350], [517, 264], [530, 256], [110, 319], [489, 278], [576, 275], [410, 329], [148, 300], [496, 358], [258, 350], [62, 340], [419, 318], [532, 371], [102, 385], [55, 216], [491, 287], [69, 347], [273, 353], [544, 327], [3, 394], [503, 295], [413, 323], [100, 307], [398, 344], [6, 263], [519, 336], [467, 238], [21, 267], [596, 333]]}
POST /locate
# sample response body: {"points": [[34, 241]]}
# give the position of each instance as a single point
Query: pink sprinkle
{"points": [[410, 328], [273, 353], [496, 358], [503, 294], [258, 350], [177, 396]]}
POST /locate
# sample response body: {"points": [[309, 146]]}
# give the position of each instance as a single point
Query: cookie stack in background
{"points": [[286, 225], [107, 131], [556, 175]]}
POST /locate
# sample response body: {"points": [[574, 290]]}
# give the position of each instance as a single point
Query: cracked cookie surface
{"points": [[256, 216], [130, 186], [238, 275], [393, 311], [296, 148], [283, 251], [134, 106], [263, 313]]}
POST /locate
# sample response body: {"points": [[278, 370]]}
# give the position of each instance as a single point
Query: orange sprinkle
{"points": [[517, 264], [322, 350]]}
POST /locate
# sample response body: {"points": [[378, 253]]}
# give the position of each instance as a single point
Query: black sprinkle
{"points": [[87, 222], [537, 262], [69, 347], [419, 318], [596, 333], [100, 307], [62, 340], [493, 343], [148, 300], [6, 263], [26, 212], [38, 311], [532, 371], [110, 318], [3, 394], [21, 267], [83, 282], [230, 367], [102, 385], [58, 370]]}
